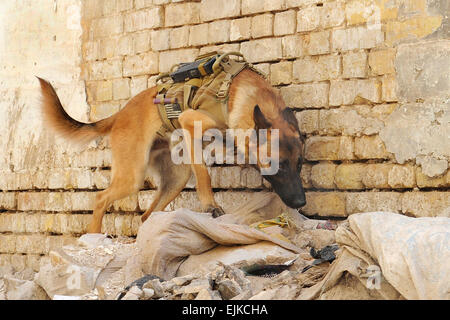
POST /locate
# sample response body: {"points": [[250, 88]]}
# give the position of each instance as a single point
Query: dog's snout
{"points": [[297, 203]]}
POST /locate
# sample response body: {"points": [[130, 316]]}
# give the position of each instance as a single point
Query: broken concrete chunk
{"points": [[265, 295], [208, 294], [93, 240], [156, 286], [130, 296], [136, 291], [148, 293], [244, 295], [197, 285], [181, 281], [228, 289], [23, 290]]}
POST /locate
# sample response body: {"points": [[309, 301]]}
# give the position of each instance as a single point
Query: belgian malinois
{"points": [[253, 104]]}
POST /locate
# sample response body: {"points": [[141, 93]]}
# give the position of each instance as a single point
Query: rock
{"points": [[187, 296], [130, 296], [136, 291], [60, 297], [6, 270], [148, 293], [264, 295], [228, 289], [156, 286], [23, 290], [93, 240], [245, 295], [208, 294], [197, 285], [181, 281], [63, 277], [168, 286]]}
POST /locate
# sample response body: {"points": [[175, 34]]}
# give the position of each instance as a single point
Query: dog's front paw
{"points": [[216, 211]]}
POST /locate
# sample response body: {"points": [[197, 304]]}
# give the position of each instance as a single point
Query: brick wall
{"points": [[364, 78]]}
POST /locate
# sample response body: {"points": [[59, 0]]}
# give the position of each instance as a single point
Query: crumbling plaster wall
{"points": [[366, 79]]}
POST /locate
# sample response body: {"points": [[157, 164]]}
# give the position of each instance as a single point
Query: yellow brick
{"points": [[382, 61], [329, 204], [349, 176]]}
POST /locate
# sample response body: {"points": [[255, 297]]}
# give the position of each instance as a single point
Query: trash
{"points": [[166, 239], [324, 255], [267, 270], [388, 256]]}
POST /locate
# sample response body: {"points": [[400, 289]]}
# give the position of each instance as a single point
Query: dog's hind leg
{"points": [[131, 138], [170, 178]]}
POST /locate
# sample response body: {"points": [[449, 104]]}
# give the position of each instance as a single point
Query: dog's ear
{"points": [[260, 120], [289, 116]]}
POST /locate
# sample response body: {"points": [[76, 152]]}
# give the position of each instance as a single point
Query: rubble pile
{"points": [[276, 259]]}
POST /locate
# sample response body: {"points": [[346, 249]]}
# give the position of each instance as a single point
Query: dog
{"points": [[253, 104]]}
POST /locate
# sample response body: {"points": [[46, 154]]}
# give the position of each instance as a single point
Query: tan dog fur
{"points": [[135, 145]]}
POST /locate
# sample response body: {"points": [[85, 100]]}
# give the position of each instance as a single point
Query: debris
{"points": [[148, 293], [208, 294], [228, 289]]}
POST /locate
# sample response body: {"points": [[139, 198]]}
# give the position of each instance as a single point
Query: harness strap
{"points": [[232, 69]]}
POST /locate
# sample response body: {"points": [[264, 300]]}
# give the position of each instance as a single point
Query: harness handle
{"points": [[223, 56]]}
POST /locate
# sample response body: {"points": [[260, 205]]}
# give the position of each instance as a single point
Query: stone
{"points": [[317, 43], [130, 296], [218, 9], [281, 73], [198, 34], [322, 175], [245, 295], [325, 204], [181, 281], [262, 25], [262, 50], [179, 37], [196, 286], [419, 71], [426, 204], [349, 176], [354, 65], [306, 95], [142, 64], [347, 92], [228, 289], [284, 23], [208, 294], [425, 144], [179, 14], [240, 29], [257, 6], [265, 295], [370, 147], [148, 293], [382, 61], [17, 289], [219, 31], [144, 19], [156, 286], [373, 201], [136, 291], [317, 68], [356, 38]]}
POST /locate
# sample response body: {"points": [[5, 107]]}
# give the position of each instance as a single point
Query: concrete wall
{"points": [[365, 78]]}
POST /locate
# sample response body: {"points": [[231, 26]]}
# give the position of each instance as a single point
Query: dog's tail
{"points": [[58, 119]]}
